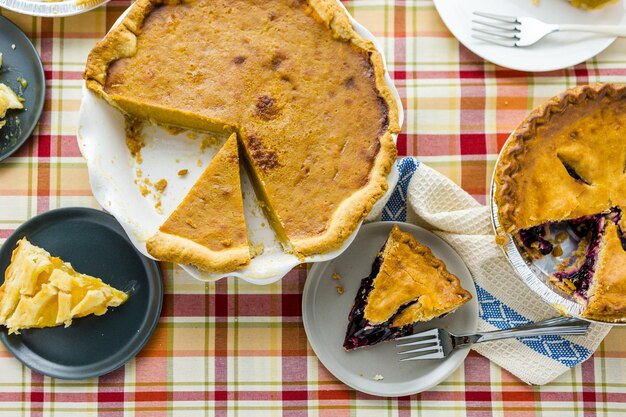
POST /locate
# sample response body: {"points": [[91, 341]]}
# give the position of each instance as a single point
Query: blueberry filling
{"points": [[584, 225], [534, 238], [360, 331], [580, 276]]}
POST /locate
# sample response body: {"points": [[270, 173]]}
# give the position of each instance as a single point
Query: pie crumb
{"points": [[256, 250], [192, 136], [199, 162], [340, 289], [501, 240], [561, 237], [144, 190], [208, 142], [160, 185], [378, 377], [336, 276], [158, 207], [183, 172], [134, 139], [557, 251]]}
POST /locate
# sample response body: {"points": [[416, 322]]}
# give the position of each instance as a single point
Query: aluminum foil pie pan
{"points": [[51, 8], [535, 272]]}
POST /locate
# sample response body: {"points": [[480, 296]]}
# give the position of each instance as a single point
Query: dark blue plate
{"points": [[22, 61], [95, 244]]}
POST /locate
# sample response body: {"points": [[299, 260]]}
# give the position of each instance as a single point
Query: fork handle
{"points": [[555, 326], [614, 30]]}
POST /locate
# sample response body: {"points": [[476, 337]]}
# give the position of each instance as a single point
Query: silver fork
{"points": [[526, 31], [439, 343]]}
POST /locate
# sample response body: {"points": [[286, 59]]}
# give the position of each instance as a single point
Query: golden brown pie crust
{"points": [[583, 129], [208, 228], [411, 272], [607, 294], [316, 195]]}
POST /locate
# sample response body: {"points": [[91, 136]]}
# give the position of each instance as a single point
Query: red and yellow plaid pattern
{"points": [[235, 349]]}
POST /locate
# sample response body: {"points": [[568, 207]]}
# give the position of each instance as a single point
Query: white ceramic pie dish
{"points": [[116, 184]]}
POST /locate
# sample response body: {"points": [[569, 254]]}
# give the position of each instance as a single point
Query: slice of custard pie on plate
{"points": [[208, 228], [408, 284], [564, 168], [40, 290]]}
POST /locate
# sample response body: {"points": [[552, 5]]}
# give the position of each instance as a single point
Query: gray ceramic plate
{"points": [[325, 316], [22, 61], [95, 244]]}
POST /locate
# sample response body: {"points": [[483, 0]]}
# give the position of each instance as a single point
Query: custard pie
{"points": [[408, 284], [565, 165], [40, 290], [208, 228], [305, 93]]}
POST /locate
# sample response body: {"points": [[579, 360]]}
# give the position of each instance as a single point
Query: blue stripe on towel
{"points": [[395, 210], [499, 315]]}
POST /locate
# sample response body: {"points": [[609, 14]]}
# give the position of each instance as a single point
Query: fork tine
{"points": [[498, 25], [421, 336], [432, 354], [420, 341], [502, 35], [501, 42], [501, 18], [424, 347]]}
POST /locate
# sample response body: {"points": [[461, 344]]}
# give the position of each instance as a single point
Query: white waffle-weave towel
{"points": [[429, 199]]}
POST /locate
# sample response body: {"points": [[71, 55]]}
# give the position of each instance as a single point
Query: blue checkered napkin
{"points": [[425, 197]]}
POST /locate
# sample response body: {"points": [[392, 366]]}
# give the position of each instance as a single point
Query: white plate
{"points": [[112, 174], [51, 8], [556, 51], [325, 317]]}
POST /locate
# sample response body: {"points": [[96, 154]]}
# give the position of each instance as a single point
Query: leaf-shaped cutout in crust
{"points": [[574, 167]]}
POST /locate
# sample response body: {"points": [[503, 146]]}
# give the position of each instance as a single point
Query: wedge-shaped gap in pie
{"points": [[208, 228], [304, 91], [40, 290], [408, 284]]}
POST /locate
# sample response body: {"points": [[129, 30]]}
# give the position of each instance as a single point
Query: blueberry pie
{"points": [[407, 284], [566, 165]]}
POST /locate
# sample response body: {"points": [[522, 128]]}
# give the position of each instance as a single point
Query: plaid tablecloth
{"points": [[234, 349]]}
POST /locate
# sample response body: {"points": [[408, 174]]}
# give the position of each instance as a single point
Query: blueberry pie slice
{"points": [[407, 284], [566, 164]]}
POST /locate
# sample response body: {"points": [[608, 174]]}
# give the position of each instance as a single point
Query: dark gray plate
{"points": [[95, 244], [23, 61]]}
